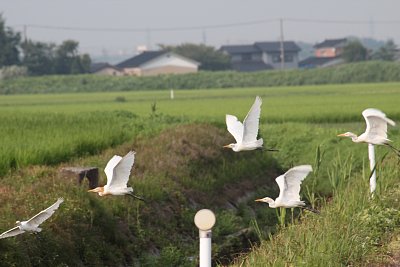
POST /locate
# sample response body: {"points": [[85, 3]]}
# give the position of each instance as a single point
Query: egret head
{"points": [[266, 200], [233, 146], [98, 190], [348, 134]]}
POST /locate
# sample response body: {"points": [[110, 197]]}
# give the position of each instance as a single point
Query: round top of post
{"points": [[204, 219]]}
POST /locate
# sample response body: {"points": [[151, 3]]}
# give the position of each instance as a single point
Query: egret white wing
{"points": [[109, 169], [376, 123], [251, 122], [12, 232], [44, 214], [292, 180], [235, 127], [121, 172]]}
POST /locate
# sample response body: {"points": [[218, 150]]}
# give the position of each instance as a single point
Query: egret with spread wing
{"points": [[32, 225], [376, 132], [117, 171], [245, 134], [289, 186]]}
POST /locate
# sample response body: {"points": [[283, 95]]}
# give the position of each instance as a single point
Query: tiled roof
{"points": [[234, 49], [276, 46], [95, 67], [138, 60], [268, 47], [316, 61], [331, 43]]}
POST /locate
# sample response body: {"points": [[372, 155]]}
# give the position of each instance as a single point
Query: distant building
{"points": [[262, 56], [158, 62], [330, 48], [103, 68], [328, 53]]}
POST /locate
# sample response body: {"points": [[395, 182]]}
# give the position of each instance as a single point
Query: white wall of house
{"points": [[275, 62]]}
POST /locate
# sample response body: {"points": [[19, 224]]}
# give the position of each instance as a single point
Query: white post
{"points": [[371, 156], [172, 94], [205, 220], [205, 248]]}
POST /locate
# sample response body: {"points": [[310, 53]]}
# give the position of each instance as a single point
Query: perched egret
{"points": [[289, 186], [117, 171], [245, 134], [32, 225], [376, 132]]}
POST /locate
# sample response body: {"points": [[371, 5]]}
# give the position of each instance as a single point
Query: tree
{"points": [[208, 56], [386, 52], [9, 42], [68, 61], [354, 51], [38, 57]]}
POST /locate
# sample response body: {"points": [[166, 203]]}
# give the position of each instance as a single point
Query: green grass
{"points": [[351, 229], [45, 129], [302, 103], [361, 72], [181, 167]]}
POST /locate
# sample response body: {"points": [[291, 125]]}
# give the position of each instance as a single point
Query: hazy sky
{"points": [[120, 25]]}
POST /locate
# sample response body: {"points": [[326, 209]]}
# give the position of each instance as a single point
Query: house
{"points": [[262, 56], [330, 48], [150, 63], [102, 68], [328, 53]]}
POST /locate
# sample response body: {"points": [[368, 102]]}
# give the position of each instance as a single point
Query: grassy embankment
{"points": [[184, 169]]}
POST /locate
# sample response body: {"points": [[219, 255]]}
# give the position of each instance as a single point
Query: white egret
{"points": [[117, 171], [376, 132], [245, 134], [32, 225], [289, 186]]}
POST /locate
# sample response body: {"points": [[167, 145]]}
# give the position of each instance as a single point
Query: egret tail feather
{"points": [[395, 150], [137, 197], [311, 209]]}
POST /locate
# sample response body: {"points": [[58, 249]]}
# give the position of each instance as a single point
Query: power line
{"points": [[164, 29], [327, 21], [206, 27]]}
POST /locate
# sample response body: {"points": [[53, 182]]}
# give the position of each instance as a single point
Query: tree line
{"points": [[355, 51], [40, 58]]}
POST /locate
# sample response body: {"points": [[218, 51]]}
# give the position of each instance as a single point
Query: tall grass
{"points": [[351, 228]]}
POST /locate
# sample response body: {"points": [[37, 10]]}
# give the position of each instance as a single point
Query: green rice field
{"points": [[180, 141]]}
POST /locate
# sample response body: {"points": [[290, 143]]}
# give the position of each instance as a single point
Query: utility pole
{"points": [[25, 33], [282, 45], [204, 35]]}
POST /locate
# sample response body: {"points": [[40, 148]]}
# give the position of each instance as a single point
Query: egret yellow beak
{"points": [[259, 200], [341, 135], [227, 146], [91, 190]]}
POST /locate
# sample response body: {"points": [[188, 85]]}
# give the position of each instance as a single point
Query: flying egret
{"points": [[117, 171], [245, 134], [376, 132], [289, 186], [32, 225]]}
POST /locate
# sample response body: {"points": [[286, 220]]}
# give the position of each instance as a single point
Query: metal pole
{"points": [[282, 48], [371, 156], [205, 248]]}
